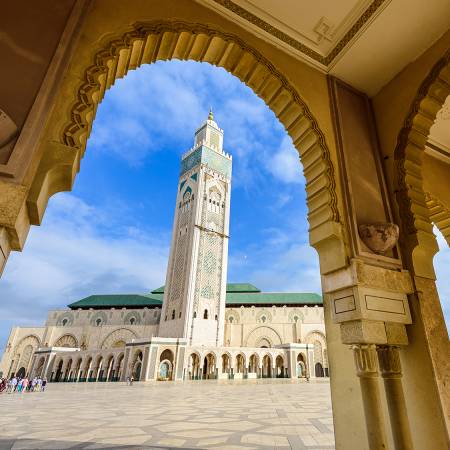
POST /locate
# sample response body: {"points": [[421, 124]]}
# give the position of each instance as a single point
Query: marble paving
{"points": [[226, 415]]}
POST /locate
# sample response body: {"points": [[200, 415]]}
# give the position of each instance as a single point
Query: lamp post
{"points": [[307, 363]]}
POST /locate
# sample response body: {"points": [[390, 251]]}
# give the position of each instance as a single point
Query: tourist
{"points": [[12, 385], [44, 383], [3, 384], [24, 384]]}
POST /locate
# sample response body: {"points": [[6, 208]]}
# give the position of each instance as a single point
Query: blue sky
{"points": [[111, 234]]}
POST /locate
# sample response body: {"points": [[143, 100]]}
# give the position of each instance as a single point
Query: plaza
{"points": [[362, 90], [248, 414]]}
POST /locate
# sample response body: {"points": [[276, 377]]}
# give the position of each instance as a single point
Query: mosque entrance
{"points": [[166, 362]]}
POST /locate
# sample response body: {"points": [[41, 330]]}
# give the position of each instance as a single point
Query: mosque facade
{"points": [[196, 326]]}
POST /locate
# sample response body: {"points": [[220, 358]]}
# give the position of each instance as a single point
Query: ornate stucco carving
{"points": [[121, 334], [262, 333], [389, 361], [365, 360], [439, 215], [416, 226]]}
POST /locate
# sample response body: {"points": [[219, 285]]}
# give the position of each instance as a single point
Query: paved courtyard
{"points": [[251, 414]]}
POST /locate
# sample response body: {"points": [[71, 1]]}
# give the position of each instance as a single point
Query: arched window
{"points": [[215, 317], [295, 319], [98, 322], [230, 319], [173, 314], [195, 314], [205, 314], [132, 321], [263, 319], [64, 322]]}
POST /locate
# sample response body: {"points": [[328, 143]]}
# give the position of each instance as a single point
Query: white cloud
{"points": [[71, 256], [285, 164]]}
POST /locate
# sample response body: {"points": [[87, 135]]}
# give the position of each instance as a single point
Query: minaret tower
{"points": [[194, 295]]}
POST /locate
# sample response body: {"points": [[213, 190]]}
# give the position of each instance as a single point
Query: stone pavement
{"points": [[248, 414]]}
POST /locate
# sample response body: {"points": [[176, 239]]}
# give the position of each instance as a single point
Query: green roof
{"points": [[231, 287], [273, 298], [238, 294], [118, 301]]}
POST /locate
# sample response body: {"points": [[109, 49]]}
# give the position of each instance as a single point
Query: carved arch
{"points": [[439, 215], [416, 225], [316, 335], [145, 43], [262, 333], [120, 335], [66, 340], [31, 339]]}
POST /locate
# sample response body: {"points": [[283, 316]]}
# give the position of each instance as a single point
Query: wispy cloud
{"points": [[72, 256]]}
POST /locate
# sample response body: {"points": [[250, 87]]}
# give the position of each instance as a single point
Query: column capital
{"points": [[365, 360], [389, 361]]}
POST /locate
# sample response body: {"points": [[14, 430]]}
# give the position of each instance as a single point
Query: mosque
{"points": [[196, 326]]}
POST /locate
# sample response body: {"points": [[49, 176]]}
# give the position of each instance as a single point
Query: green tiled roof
{"points": [[118, 301], [242, 287], [273, 298], [237, 294], [231, 287]]}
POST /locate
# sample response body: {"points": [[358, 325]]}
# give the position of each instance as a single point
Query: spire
{"points": [[210, 115]]}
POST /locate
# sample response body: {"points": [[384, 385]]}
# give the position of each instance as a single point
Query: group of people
{"points": [[17, 384]]}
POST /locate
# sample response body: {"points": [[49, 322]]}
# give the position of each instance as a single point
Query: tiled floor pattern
{"points": [[249, 414]]}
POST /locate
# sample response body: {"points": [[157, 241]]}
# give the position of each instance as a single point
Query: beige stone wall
{"points": [[78, 328], [257, 326]]}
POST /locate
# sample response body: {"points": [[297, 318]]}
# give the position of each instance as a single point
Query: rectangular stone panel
{"points": [[344, 304], [382, 304]]}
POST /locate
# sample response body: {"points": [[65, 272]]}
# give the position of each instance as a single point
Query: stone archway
{"points": [[66, 340], [417, 212], [439, 215], [263, 336], [417, 229], [116, 338], [144, 43]]}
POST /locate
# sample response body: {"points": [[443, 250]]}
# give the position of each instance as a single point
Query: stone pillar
{"points": [[391, 371], [63, 370], [367, 371], [125, 370]]}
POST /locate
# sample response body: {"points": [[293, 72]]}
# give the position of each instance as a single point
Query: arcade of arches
{"points": [[373, 150]]}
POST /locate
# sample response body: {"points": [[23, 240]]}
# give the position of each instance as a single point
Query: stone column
{"points": [[391, 371], [366, 369], [63, 370]]}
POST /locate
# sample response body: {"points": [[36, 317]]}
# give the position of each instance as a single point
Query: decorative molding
{"points": [[296, 45], [389, 361], [365, 360], [416, 227], [121, 334], [439, 215]]}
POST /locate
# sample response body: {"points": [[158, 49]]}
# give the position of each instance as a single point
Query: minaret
{"points": [[194, 296]]}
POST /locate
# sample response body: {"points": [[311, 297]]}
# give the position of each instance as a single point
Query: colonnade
{"points": [[74, 368], [240, 366]]}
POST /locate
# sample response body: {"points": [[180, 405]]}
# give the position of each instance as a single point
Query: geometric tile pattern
{"points": [[229, 415]]}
